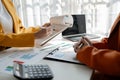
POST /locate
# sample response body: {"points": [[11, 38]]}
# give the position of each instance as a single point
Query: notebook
{"points": [[78, 29]]}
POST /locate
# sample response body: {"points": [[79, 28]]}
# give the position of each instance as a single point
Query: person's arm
{"points": [[98, 56], [103, 44], [24, 38], [21, 36], [17, 40], [103, 60]]}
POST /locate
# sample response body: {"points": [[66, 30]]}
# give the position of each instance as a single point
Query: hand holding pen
{"points": [[82, 43]]}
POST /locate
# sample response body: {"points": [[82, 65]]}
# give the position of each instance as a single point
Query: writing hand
{"points": [[82, 43]]}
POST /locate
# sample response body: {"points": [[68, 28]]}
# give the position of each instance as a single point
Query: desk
{"points": [[61, 70]]}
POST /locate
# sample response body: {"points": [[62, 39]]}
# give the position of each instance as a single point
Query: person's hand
{"points": [[45, 30], [82, 43], [46, 25], [48, 28]]}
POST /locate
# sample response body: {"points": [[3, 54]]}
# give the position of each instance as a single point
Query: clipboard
{"points": [[57, 29], [63, 55], [59, 24]]}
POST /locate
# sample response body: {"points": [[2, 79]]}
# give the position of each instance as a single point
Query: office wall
{"points": [[100, 14]]}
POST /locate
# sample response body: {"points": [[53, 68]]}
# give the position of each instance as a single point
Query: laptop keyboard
{"points": [[77, 37]]}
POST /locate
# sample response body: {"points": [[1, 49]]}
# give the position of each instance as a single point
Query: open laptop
{"points": [[78, 29]]}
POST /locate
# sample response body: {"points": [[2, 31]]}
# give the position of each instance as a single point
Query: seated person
{"points": [[13, 33], [102, 56]]}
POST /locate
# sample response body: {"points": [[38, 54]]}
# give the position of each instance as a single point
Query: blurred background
{"points": [[100, 14]]}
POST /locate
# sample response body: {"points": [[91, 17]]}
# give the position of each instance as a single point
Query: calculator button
{"points": [[26, 75]]}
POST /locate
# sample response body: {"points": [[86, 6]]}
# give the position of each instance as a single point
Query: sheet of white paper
{"points": [[25, 55], [65, 53]]}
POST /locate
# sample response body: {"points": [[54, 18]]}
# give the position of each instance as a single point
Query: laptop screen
{"points": [[78, 29], [79, 26]]}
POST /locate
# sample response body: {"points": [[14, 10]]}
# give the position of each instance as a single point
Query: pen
{"points": [[87, 41], [80, 45], [54, 50]]}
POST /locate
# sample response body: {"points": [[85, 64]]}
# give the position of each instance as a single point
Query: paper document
{"points": [[59, 24], [65, 54], [15, 54]]}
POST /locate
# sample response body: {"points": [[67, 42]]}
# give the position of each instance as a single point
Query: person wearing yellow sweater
{"points": [[12, 32], [102, 56]]}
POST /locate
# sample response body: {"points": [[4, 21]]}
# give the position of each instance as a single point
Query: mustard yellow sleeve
{"points": [[17, 40], [21, 36], [17, 23]]}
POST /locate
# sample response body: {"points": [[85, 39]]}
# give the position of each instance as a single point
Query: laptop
{"points": [[78, 29]]}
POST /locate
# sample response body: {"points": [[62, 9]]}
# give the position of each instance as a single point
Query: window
{"points": [[100, 14]]}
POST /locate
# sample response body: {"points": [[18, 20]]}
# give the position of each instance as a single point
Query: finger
{"points": [[87, 41], [76, 49], [80, 40], [79, 44], [46, 25], [75, 46]]}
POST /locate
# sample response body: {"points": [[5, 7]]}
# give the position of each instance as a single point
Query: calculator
{"points": [[32, 71]]}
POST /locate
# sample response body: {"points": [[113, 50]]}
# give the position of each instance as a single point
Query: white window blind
{"points": [[100, 14]]}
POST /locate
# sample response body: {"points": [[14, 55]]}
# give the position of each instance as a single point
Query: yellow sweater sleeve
{"points": [[21, 36], [17, 40]]}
